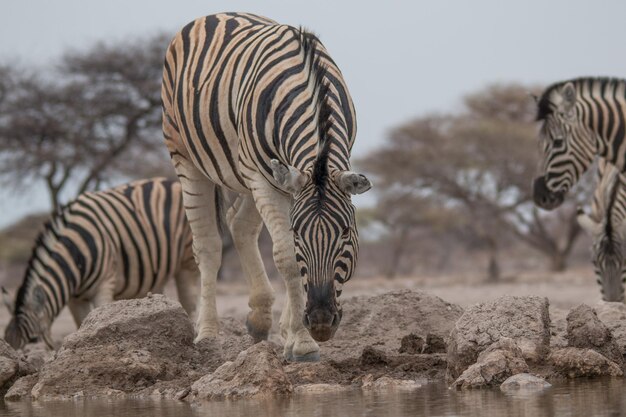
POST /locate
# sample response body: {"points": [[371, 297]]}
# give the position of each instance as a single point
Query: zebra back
{"points": [[241, 90]]}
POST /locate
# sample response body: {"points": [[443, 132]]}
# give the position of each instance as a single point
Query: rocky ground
{"points": [[399, 339]]}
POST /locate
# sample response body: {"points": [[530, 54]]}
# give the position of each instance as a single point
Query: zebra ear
{"points": [[568, 93], [289, 178], [588, 224], [8, 300], [352, 182]]}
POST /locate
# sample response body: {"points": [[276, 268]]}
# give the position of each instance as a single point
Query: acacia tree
{"points": [[97, 116], [403, 219], [477, 167]]}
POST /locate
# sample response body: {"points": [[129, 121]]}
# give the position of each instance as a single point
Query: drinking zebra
{"points": [[606, 227], [261, 109], [103, 246], [581, 119]]}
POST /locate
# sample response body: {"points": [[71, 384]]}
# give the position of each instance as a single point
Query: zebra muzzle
{"points": [[544, 197], [322, 323]]}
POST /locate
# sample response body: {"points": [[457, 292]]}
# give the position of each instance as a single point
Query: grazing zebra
{"points": [[580, 119], [606, 227], [261, 109], [104, 246]]}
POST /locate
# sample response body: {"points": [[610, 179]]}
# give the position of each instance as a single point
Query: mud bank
{"points": [[397, 340]]}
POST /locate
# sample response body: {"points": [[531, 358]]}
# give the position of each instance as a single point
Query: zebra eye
{"points": [[557, 143], [346, 233]]}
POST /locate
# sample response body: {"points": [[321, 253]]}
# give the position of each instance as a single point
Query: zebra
{"points": [[581, 119], [606, 225], [260, 108], [103, 246]]}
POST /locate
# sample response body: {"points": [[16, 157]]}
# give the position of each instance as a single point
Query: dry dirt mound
{"points": [[9, 365], [584, 345], [586, 331], [400, 334], [145, 347], [571, 362], [257, 371], [494, 365], [12, 366], [126, 347], [526, 320], [383, 320], [613, 315]]}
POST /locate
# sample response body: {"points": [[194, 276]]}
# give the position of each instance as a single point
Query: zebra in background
{"points": [[606, 227], [581, 119], [261, 109], [109, 245]]}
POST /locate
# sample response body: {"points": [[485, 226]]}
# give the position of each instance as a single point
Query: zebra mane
{"points": [[320, 166], [609, 246], [50, 226], [543, 104], [317, 71]]}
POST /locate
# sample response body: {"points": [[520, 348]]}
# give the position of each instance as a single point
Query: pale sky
{"points": [[400, 59]]}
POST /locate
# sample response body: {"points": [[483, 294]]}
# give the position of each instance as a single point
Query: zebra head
{"points": [[324, 232], [607, 256], [567, 145], [29, 321]]}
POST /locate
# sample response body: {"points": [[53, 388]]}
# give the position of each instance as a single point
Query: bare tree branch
{"points": [[75, 127]]}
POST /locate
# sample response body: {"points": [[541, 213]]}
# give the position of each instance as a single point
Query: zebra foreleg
{"points": [[79, 310], [245, 224], [187, 283], [274, 208], [200, 199], [106, 291]]}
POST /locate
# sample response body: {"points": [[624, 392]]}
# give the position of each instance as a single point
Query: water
{"points": [[603, 397]]}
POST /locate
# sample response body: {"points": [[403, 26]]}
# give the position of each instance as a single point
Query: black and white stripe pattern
{"points": [[606, 225], [322, 216], [261, 109], [581, 119], [104, 246]]}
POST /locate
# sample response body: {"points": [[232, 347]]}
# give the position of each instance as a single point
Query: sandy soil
{"points": [[564, 290]]}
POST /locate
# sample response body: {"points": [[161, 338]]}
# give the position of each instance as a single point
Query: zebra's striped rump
{"points": [[580, 119], [114, 244]]}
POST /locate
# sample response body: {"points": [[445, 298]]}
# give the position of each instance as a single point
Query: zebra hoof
{"points": [[307, 357], [257, 334]]}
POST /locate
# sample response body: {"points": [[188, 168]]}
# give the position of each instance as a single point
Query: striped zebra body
{"points": [[606, 227], [103, 246], [581, 119], [261, 109]]}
